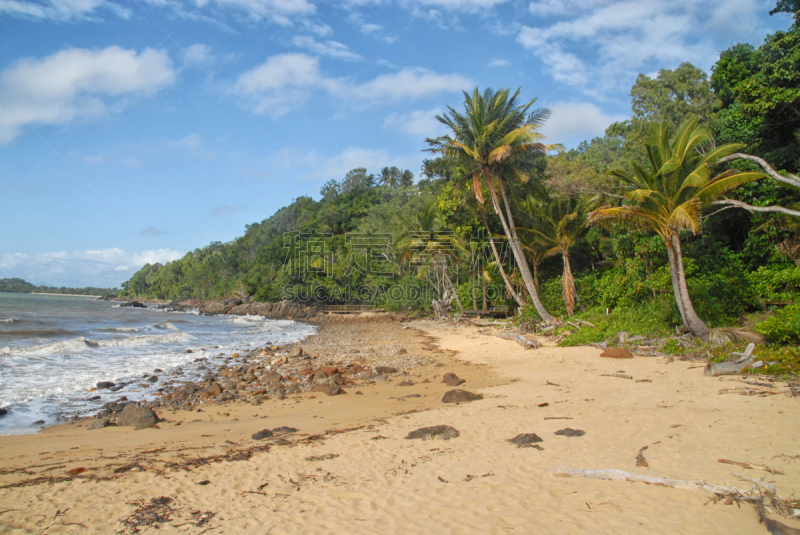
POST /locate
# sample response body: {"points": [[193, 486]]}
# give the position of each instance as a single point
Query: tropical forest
{"points": [[680, 225]]}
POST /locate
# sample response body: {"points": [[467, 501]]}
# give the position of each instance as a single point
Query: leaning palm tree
{"points": [[493, 139], [558, 223], [668, 194]]}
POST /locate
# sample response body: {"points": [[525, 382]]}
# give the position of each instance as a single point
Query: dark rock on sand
{"points": [[100, 423], [296, 353], [460, 396], [444, 432], [102, 385], [328, 389], [525, 440], [284, 430], [383, 370], [261, 435], [569, 432], [451, 379], [616, 353], [137, 416]]}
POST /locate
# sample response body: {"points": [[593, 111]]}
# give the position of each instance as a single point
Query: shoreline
{"points": [[349, 465]]}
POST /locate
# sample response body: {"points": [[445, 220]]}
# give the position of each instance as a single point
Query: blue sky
{"points": [[132, 132]]}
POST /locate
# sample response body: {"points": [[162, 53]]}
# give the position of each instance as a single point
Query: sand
{"points": [[375, 481]]}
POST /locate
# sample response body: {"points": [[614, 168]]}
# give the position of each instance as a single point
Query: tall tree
{"points": [[667, 195], [559, 223], [407, 179], [388, 178], [493, 138]]}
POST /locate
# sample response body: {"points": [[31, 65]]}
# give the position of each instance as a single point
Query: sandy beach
{"points": [[349, 468]]}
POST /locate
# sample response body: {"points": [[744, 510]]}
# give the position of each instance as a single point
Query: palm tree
{"points": [[407, 179], [493, 138], [558, 223], [669, 193], [389, 178]]}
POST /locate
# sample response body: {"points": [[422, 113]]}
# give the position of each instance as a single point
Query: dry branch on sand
{"points": [[763, 495]]}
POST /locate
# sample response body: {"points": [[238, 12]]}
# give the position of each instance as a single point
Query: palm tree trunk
{"points": [[484, 293], [536, 275], [520, 301], [518, 298], [521, 261], [568, 284], [676, 287], [474, 296], [695, 325]]}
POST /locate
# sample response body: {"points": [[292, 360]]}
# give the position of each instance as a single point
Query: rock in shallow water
{"points": [[460, 396], [444, 432]]}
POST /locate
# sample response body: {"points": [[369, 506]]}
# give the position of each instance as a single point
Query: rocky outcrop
{"points": [[137, 416]]}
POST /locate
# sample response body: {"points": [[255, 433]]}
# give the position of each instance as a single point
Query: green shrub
{"points": [[783, 327]]}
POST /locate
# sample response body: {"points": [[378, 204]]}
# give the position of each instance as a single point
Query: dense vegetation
{"points": [[685, 216], [22, 286]]}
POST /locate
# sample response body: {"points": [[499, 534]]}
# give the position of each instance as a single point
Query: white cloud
{"points": [[95, 158], [60, 10], [373, 159], [499, 63], [370, 28], [277, 10], [284, 81], [469, 6], [333, 49], [266, 85], [320, 29], [418, 123], [58, 88], [102, 268], [198, 54], [601, 45], [410, 83], [573, 122], [192, 141]]}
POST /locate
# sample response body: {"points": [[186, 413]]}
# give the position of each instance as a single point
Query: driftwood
{"points": [[732, 368], [620, 475], [752, 466], [524, 341]]}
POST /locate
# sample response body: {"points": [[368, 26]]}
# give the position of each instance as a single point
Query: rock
{"points": [[460, 396], [100, 423], [132, 304], [402, 351], [329, 390], [525, 440], [137, 416], [284, 430], [405, 383], [451, 379], [3, 412], [38, 422], [102, 385], [261, 435], [569, 432], [383, 370], [616, 353], [153, 378], [296, 353], [379, 378], [211, 391], [444, 432], [271, 377]]}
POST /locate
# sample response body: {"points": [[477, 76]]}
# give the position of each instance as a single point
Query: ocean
{"points": [[54, 349]]}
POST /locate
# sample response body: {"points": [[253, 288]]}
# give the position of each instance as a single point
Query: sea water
{"points": [[54, 349]]}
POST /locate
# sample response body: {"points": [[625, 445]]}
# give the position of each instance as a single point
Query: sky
{"points": [[134, 131]]}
